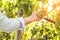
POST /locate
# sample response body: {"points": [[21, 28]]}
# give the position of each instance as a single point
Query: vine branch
{"points": [[49, 20]]}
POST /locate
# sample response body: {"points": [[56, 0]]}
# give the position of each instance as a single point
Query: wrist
{"points": [[27, 20]]}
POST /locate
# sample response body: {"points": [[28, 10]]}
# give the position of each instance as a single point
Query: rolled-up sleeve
{"points": [[8, 24]]}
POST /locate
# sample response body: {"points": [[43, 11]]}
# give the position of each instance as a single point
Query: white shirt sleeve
{"points": [[8, 25]]}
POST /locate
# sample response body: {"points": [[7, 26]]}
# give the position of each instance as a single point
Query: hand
{"points": [[31, 18], [34, 16]]}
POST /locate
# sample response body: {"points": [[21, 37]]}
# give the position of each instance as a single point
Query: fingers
{"points": [[34, 13]]}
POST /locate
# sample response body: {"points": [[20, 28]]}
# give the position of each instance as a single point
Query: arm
{"points": [[7, 24]]}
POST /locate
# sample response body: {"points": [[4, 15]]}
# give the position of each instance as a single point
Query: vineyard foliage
{"points": [[48, 28]]}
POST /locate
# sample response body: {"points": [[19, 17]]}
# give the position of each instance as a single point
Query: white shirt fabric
{"points": [[8, 24]]}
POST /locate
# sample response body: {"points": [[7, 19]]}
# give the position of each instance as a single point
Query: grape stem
{"points": [[49, 20]]}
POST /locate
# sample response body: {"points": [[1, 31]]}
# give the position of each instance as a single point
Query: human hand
{"points": [[34, 16]]}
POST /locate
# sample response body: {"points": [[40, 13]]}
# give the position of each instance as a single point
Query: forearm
{"points": [[29, 19]]}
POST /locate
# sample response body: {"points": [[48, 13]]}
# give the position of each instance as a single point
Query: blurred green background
{"points": [[41, 30]]}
